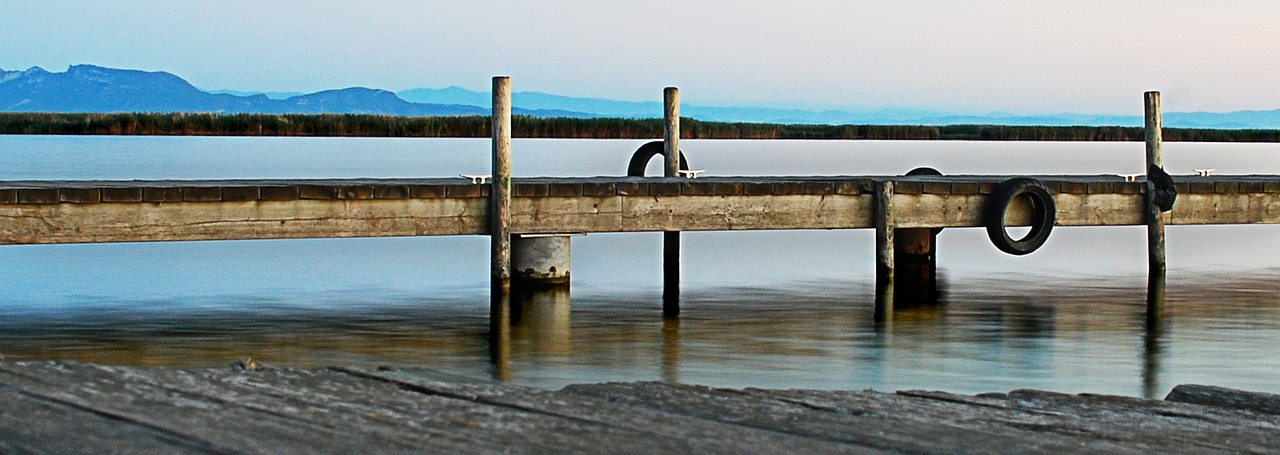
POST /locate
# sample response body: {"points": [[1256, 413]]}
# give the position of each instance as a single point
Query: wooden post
{"points": [[671, 131], [1155, 223], [671, 239], [500, 219], [884, 251]]}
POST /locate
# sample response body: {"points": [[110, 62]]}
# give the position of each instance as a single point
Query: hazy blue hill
{"points": [[360, 100], [635, 109], [89, 88], [546, 105], [653, 109], [272, 95], [447, 95], [1227, 120]]}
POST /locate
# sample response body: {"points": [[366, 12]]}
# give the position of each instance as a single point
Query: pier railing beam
{"points": [[500, 223], [884, 251], [1155, 223], [671, 239]]}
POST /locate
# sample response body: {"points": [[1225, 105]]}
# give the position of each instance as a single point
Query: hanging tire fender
{"points": [[1043, 214], [640, 159]]}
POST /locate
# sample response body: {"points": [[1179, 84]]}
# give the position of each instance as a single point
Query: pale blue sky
{"points": [[1025, 56]]}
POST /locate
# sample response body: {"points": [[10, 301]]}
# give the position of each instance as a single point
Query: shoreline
{"points": [[369, 125]]}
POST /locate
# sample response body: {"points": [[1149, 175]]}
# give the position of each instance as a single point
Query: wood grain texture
{"points": [[175, 211], [67, 407]]}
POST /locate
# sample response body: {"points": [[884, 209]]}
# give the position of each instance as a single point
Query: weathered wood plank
{"points": [[172, 210], [256, 425], [37, 425], [1173, 427], [1264, 403], [418, 415], [692, 434], [1035, 430], [888, 431], [73, 223], [57, 407], [702, 213], [330, 411]]}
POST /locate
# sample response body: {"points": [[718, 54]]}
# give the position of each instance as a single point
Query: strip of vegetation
{"points": [[360, 125]]}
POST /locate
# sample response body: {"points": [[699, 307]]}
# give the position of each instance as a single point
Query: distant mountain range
{"points": [[88, 88], [613, 108]]}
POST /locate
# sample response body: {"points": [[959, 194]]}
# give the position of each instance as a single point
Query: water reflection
{"points": [[532, 322], [671, 349], [540, 322], [1151, 356], [1071, 335]]}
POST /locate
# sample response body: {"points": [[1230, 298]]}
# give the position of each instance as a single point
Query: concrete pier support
{"points": [[915, 261], [540, 261], [534, 318]]}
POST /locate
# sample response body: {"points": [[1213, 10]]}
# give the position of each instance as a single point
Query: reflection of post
{"points": [[540, 292], [671, 239], [540, 319], [1151, 352], [500, 229], [879, 347], [884, 251], [500, 332], [671, 350], [1155, 224]]}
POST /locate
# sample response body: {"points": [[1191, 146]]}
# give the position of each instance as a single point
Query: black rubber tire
{"points": [[1043, 215], [923, 171], [644, 154]]}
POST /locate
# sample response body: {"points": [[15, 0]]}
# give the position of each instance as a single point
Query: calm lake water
{"points": [[785, 309]]}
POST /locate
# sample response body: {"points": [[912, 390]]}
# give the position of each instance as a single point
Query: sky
{"points": [[975, 56]]}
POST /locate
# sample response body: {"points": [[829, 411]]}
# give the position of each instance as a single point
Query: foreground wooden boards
{"points": [[56, 407]]}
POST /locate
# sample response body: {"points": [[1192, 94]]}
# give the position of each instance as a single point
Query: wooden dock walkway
{"points": [[36, 212], [70, 408]]}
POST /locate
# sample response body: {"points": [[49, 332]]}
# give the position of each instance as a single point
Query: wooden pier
{"points": [[72, 408], [906, 210], [47, 212]]}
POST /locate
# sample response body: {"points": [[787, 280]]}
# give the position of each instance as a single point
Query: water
{"points": [[760, 309]]}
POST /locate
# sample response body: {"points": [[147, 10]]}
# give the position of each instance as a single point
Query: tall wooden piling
{"points": [[1155, 223], [671, 239], [884, 251], [671, 131], [500, 220]]}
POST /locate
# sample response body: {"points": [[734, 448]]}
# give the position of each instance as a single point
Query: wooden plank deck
{"points": [[139, 211], [68, 408]]}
